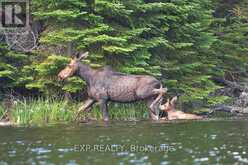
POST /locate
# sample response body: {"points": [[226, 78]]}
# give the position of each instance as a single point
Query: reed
{"points": [[1, 111], [130, 111], [53, 110], [41, 110]]}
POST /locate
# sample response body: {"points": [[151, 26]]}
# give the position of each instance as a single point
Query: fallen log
{"points": [[223, 108], [228, 83]]}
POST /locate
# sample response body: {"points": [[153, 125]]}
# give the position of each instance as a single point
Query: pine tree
{"points": [[11, 64], [231, 27], [182, 43], [139, 37]]}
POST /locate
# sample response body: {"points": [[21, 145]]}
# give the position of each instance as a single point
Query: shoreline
{"points": [[6, 123]]}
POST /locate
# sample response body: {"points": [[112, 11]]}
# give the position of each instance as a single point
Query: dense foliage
{"points": [[181, 42]]}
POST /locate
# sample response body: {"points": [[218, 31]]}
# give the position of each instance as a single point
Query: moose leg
{"points": [[104, 109], [152, 109], [157, 100], [86, 107], [154, 104]]}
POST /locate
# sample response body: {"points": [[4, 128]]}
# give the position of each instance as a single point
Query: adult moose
{"points": [[105, 85]]}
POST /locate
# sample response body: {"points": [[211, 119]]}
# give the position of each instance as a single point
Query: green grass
{"points": [[130, 111], [41, 110], [48, 110], [1, 110]]}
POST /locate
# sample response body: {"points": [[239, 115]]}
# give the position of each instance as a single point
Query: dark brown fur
{"points": [[107, 85]]}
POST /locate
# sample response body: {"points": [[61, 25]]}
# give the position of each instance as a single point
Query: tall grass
{"points": [[132, 111], [1, 111], [128, 111], [41, 110], [52, 110]]}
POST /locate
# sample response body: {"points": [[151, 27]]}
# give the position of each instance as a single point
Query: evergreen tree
{"points": [[231, 28], [182, 43], [138, 37], [11, 66]]}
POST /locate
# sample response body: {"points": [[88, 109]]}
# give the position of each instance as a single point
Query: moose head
{"points": [[170, 105], [72, 67]]}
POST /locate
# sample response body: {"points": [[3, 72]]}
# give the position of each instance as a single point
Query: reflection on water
{"points": [[144, 142]]}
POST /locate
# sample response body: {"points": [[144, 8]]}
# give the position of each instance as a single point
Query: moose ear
{"points": [[173, 100], [75, 56], [82, 56]]}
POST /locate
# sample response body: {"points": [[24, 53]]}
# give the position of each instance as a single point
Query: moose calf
{"points": [[173, 114]]}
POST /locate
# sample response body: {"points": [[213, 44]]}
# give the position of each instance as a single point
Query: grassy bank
{"points": [[41, 111]]}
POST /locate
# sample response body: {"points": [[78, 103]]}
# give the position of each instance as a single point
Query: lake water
{"points": [[142, 142]]}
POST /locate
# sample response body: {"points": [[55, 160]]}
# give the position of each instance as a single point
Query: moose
{"points": [[173, 114], [104, 85]]}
